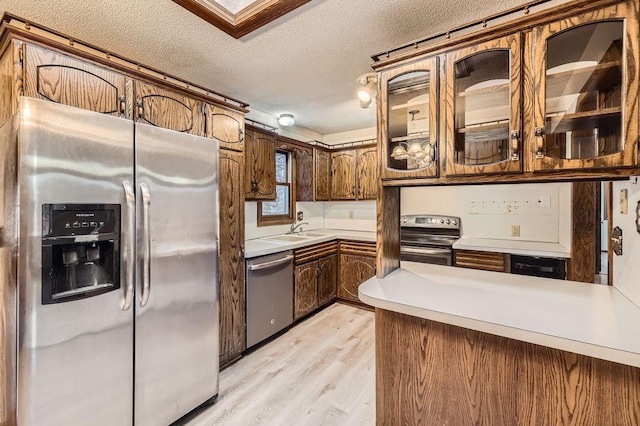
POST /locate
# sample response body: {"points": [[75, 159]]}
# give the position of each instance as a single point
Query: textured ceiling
{"points": [[305, 63]]}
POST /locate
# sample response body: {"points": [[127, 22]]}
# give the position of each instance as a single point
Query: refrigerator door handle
{"points": [[129, 245], [146, 240]]}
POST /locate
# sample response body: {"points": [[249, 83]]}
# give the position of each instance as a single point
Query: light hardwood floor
{"points": [[321, 372]]}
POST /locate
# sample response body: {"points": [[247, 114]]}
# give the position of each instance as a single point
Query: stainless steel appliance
{"points": [[428, 238], [111, 305], [547, 267], [269, 295]]}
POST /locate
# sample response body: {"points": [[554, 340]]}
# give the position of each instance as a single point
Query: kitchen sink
{"points": [[287, 238]]}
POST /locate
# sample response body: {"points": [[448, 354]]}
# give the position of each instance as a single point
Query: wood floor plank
{"points": [[321, 372]]}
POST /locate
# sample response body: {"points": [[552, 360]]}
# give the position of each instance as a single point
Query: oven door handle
{"points": [[424, 250]]}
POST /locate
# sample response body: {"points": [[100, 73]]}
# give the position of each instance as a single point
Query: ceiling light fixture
{"points": [[367, 89], [286, 120]]}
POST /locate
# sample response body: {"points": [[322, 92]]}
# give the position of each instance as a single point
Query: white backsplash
{"points": [[626, 268], [313, 213], [350, 215], [542, 211]]}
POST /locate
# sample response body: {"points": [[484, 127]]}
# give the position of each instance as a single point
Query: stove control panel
{"points": [[430, 221]]}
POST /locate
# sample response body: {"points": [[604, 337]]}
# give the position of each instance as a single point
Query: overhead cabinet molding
{"points": [[553, 96]]}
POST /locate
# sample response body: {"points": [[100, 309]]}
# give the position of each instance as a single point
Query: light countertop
{"points": [[263, 246], [588, 319], [527, 248]]}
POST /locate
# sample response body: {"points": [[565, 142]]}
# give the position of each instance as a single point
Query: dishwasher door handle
{"points": [[271, 264]]}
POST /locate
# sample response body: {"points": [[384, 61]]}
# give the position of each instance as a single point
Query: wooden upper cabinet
{"points": [[164, 108], [62, 79], [303, 161], [231, 256], [260, 165], [343, 175], [322, 175], [408, 120], [483, 108], [585, 95], [367, 173], [226, 126]]}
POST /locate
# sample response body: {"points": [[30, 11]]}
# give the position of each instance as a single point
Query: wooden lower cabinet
{"points": [[357, 264], [305, 293], [231, 256], [315, 277], [328, 279], [484, 260]]}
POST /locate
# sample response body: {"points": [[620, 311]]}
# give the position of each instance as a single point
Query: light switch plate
{"points": [[515, 230]]}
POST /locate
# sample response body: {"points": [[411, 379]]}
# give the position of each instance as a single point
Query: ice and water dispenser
{"points": [[80, 251]]}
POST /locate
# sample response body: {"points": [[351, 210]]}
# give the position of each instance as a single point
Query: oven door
{"points": [[436, 256]]}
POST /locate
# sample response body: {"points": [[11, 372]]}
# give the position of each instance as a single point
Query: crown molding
{"points": [[249, 19]]}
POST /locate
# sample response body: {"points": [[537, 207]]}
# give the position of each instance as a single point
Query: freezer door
{"points": [[75, 359], [176, 354]]}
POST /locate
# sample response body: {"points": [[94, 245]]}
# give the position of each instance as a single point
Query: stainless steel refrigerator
{"points": [[110, 268]]}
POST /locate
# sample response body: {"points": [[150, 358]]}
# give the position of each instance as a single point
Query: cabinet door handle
{"points": [[140, 109], [539, 133], [122, 105], [515, 145]]}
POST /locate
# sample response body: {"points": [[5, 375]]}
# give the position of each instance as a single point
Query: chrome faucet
{"points": [[294, 227]]}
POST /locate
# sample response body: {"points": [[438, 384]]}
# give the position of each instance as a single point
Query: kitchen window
{"points": [[279, 211]]}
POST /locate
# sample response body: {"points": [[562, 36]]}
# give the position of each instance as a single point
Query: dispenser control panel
{"points": [[65, 222]]}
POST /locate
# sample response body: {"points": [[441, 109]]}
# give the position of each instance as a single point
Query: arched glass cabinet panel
{"points": [[409, 116]]}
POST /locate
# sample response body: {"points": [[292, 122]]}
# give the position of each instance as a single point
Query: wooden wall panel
{"points": [[388, 230], [433, 373], [231, 264], [583, 242], [6, 83]]}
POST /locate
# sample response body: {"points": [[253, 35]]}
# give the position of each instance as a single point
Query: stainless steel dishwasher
{"points": [[269, 295]]}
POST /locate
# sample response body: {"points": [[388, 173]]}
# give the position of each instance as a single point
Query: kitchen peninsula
{"points": [[459, 346]]}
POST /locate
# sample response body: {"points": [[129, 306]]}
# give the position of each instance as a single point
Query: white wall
{"points": [[626, 268], [351, 136], [350, 215], [489, 211]]}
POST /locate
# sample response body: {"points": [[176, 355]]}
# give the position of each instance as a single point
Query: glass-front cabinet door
{"points": [[409, 117], [586, 90], [483, 113]]}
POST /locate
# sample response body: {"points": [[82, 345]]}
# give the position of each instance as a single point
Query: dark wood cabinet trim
{"points": [[241, 24]]}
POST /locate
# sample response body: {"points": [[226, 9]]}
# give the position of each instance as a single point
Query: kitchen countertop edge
{"points": [[455, 296], [533, 248], [262, 247]]}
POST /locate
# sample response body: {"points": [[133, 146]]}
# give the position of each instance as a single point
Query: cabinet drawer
{"points": [[487, 261], [314, 252], [358, 248]]}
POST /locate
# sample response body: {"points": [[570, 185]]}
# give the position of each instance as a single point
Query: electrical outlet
{"points": [[299, 216], [515, 230], [350, 214]]}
